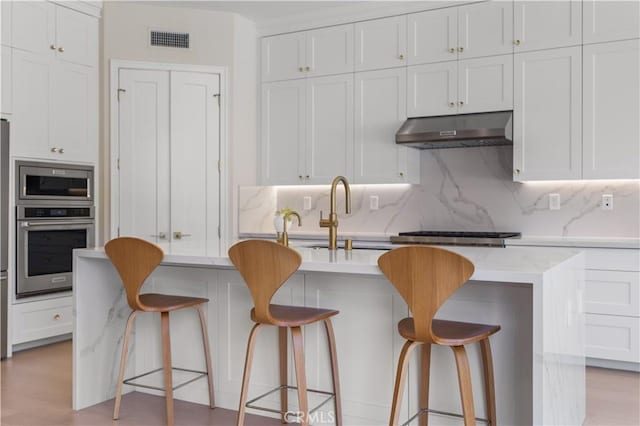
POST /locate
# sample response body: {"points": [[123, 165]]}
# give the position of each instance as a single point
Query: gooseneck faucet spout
{"points": [[332, 221]]}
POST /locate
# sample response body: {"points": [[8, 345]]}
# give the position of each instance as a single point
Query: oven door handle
{"points": [[53, 223]]}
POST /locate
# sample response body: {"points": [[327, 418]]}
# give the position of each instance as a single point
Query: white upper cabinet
{"points": [[433, 89], [308, 54], [6, 104], [381, 43], [485, 29], [330, 50], [433, 36], [283, 132], [471, 31], [34, 26], [610, 20], [329, 147], [611, 133], [5, 24], [283, 57], [76, 37], [547, 140], [485, 84], [547, 24], [461, 87], [380, 110]]}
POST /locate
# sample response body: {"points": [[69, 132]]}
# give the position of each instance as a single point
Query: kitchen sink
{"points": [[341, 246]]}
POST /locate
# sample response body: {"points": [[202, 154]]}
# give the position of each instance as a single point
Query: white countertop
{"points": [[510, 264]]}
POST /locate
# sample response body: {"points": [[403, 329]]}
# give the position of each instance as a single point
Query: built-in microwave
{"points": [[52, 183]]}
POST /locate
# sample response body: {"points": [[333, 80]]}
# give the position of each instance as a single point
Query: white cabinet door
{"points": [[7, 85], [610, 20], [144, 202], [30, 126], [34, 26], [329, 50], [485, 84], [283, 57], [485, 29], [6, 23], [195, 182], [381, 43], [433, 89], [611, 134], [283, 132], [547, 138], [74, 115], [76, 37], [329, 141], [547, 24], [433, 36], [613, 337], [380, 110]]}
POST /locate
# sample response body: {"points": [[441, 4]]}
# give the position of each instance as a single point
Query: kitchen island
{"points": [[535, 294]]}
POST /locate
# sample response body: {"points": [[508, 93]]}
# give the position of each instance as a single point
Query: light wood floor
{"points": [[36, 390]]}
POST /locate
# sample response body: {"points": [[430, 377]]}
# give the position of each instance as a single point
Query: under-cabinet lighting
{"points": [[354, 185], [581, 182]]}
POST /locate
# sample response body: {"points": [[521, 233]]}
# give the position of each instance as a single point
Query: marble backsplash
{"points": [[462, 189]]}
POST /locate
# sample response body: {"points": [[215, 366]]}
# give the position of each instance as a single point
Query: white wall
{"points": [[217, 38]]}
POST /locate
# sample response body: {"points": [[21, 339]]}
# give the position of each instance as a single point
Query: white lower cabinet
{"points": [[380, 110], [461, 87], [611, 134], [547, 115], [614, 338], [42, 319]]}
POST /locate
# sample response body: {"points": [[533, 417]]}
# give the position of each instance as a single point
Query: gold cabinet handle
{"points": [[452, 50], [179, 235], [516, 171], [452, 104], [60, 49], [54, 149], [53, 47], [308, 68], [461, 103], [516, 42], [306, 177], [161, 235], [460, 49], [56, 317], [401, 174], [401, 57], [300, 69], [61, 151], [300, 177]]}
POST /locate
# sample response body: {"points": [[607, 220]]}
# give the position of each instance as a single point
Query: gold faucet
{"points": [[332, 222], [284, 239]]}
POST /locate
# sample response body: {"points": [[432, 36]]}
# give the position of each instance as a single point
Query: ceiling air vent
{"points": [[169, 39]]}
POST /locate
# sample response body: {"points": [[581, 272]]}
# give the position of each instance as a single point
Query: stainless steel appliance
{"points": [[4, 233], [46, 238], [53, 184], [54, 216], [457, 131], [456, 238]]}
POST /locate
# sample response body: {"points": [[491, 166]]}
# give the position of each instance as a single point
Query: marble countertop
{"points": [[511, 264]]}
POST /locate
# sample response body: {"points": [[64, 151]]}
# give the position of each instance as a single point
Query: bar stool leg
{"points": [[123, 363], [207, 355], [337, 401], [247, 372], [166, 366], [301, 378], [284, 380], [464, 379], [489, 389], [425, 366], [401, 375]]}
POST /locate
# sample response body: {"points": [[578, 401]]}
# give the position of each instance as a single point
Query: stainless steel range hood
{"points": [[457, 131]]}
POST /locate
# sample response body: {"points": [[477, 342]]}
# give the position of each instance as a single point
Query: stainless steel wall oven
{"points": [[54, 216]]}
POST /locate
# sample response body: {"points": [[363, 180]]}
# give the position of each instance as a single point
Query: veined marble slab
{"points": [[534, 293]]}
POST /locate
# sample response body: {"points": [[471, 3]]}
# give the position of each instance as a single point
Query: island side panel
{"points": [[100, 314]]}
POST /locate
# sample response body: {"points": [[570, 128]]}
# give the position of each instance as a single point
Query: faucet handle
{"points": [[324, 223]]}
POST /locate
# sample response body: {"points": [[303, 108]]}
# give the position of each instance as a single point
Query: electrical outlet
{"points": [[306, 203], [607, 202], [373, 202], [554, 201]]}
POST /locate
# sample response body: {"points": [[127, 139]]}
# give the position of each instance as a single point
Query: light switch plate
{"points": [[306, 203], [554, 201], [374, 202], [607, 202]]}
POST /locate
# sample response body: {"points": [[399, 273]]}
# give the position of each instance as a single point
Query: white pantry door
{"points": [[144, 154], [169, 141]]}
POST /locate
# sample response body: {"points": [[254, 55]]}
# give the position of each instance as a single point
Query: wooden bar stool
{"points": [[426, 277], [265, 266], [135, 259]]}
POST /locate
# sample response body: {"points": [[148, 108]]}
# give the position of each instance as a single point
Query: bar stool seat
{"points": [[155, 302], [450, 333], [294, 316]]}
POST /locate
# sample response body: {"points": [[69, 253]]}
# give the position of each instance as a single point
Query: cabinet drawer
{"points": [[42, 319], [613, 337], [612, 259], [612, 292]]}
